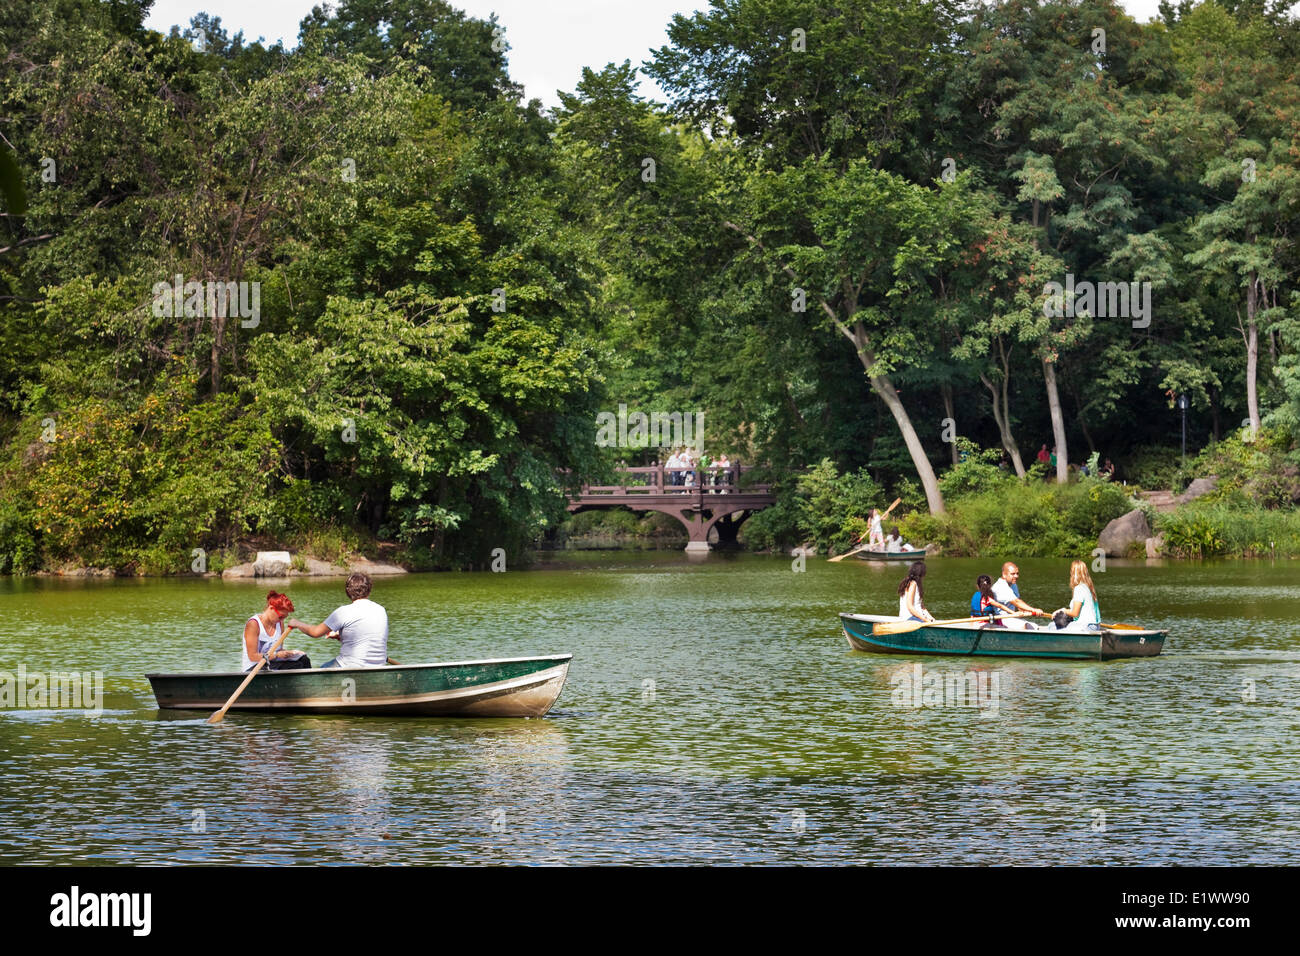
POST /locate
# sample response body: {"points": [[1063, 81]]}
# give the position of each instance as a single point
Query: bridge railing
{"points": [[661, 480]]}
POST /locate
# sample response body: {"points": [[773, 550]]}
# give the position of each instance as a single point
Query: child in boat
{"points": [[258, 640], [982, 602]]}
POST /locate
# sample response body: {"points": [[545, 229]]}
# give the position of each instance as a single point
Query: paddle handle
{"points": [[220, 715], [897, 502]]}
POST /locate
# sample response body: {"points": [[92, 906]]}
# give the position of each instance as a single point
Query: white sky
{"points": [[550, 40]]}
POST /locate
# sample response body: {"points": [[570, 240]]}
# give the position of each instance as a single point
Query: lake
{"points": [[713, 714]]}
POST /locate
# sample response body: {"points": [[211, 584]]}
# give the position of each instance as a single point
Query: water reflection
{"points": [[713, 714]]}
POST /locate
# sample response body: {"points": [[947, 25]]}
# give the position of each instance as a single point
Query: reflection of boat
{"points": [[980, 639], [509, 687], [917, 555]]}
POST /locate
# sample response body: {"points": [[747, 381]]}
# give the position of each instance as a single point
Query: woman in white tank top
{"points": [[258, 641]]}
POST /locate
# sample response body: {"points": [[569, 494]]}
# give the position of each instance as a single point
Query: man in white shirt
{"points": [[361, 627], [1006, 591]]}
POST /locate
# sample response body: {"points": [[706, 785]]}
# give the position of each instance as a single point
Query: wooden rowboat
{"points": [[979, 639], [917, 555], [508, 687]]}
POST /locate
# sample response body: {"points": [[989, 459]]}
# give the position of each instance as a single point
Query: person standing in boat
{"points": [[258, 640], [1006, 590], [361, 627], [911, 595], [875, 534], [1083, 610]]}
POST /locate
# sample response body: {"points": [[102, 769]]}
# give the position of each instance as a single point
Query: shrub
{"points": [[1092, 504], [19, 551], [1191, 534], [1154, 467], [976, 473]]}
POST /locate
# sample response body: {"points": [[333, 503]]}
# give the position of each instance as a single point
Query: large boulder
{"points": [[1118, 538], [272, 564], [1155, 546], [239, 571], [1198, 487]]}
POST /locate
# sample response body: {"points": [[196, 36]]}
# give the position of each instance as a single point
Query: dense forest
{"points": [[361, 291]]}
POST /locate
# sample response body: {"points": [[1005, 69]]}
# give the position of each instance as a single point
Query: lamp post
{"points": [[1182, 404]]}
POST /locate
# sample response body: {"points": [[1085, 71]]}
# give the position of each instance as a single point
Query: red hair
{"points": [[279, 603]]}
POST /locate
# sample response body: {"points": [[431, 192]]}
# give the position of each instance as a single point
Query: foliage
{"points": [[975, 473], [835, 236], [821, 506], [140, 484], [1016, 517]]}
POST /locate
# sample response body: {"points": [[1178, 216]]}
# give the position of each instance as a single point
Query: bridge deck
{"points": [[720, 502]]}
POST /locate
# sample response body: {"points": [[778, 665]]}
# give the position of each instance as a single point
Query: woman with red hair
{"points": [[258, 640]]}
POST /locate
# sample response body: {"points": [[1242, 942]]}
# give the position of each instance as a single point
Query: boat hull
{"points": [[908, 556], [981, 640], [510, 687]]}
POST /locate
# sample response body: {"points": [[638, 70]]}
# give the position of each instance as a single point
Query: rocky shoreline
{"points": [[268, 564]]}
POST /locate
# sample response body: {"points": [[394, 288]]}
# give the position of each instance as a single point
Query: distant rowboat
{"points": [[508, 687], [979, 639], [917, 555]]}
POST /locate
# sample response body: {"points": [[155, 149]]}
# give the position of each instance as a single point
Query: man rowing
{"points": [[361, 627], [1006, 591]]}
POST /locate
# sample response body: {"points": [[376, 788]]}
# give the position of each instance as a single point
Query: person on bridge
{"points": [[672, 465], [723, 465]]}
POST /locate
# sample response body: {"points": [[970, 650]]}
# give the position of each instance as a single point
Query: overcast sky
{"points": [[550, 40]]}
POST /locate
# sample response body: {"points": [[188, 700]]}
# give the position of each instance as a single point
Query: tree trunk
{"points": [[1058, 422], [885, 389], [1002, 415], [1252, 354], [218, 342], [946, 391]]}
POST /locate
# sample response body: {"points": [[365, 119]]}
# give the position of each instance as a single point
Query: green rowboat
{"points": [[509, 687], [981, 640]]}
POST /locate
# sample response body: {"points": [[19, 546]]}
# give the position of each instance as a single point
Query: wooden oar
{"points": [[219, 715], [905, 627], [841, 557], [1125, 627]]}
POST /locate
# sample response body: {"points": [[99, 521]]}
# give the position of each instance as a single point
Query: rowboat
{"points": [[507, 687], [978, 638], [917, 555]]}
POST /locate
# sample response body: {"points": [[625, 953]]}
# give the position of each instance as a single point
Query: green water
{"points": [[713, 713]]}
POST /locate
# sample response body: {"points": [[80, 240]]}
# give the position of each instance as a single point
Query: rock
{"points": [[272, 564], [1197, 488], [317, 568], [239, 571], [373, 568], [1155, 546], [1118, 537], [803, 550]]}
